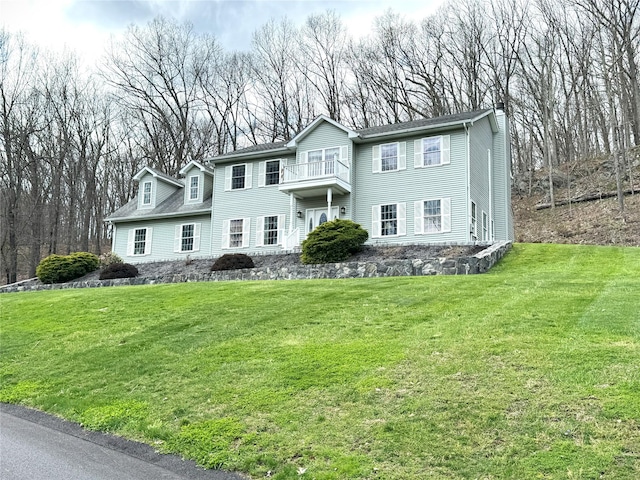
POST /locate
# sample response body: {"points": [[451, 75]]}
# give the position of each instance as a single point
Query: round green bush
{"points": [[118, 270], [63, 268], [333, 241], [232, 261]]}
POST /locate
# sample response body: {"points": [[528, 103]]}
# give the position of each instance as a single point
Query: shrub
{"points": [[108, 258], [333, 241], [63, 268], [118, 270], [232, 261], [86, 262]]}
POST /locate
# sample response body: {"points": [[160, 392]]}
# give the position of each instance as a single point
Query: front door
{"points": [[317, 216]]}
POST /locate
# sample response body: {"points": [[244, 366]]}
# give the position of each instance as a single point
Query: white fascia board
{"points": [[198, 165], [231, 157], [164, 178], [191, 213]]}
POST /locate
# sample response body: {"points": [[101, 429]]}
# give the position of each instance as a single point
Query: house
{"points": [[442, 180]]}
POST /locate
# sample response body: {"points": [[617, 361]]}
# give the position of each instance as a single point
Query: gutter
{"points": [[157, 216], [234, 156]]}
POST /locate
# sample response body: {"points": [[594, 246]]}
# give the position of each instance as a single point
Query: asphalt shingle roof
{"points": [[375, 131], [422, 123], [174, 205]]}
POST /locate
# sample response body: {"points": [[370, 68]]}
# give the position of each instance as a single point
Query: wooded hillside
{"points": [[72, 136]]}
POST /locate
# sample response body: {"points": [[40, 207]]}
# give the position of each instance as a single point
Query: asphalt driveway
{"points": [[38, 446]]}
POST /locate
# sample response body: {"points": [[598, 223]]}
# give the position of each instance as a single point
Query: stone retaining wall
{"points": [[479, 263]]}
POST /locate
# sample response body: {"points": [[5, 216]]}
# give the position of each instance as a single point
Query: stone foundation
{"points": [[478, 263]]}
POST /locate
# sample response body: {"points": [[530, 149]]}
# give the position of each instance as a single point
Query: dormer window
{"points": [[146, 193], [194, 187]]}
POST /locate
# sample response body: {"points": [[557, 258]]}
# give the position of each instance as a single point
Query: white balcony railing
{"points": [[315, 170]]}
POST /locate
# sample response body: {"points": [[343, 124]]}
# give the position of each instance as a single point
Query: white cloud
{"points": [[84, 26]]}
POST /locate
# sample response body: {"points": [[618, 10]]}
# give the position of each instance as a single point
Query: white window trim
{"points": [[473, 221], [226, 233], [262, 172], [445, 216], [131, 242], [177, 240], [376, 222], [248, 176], [485, 226], [260, 230], [445, 151], [401, 157], [142, 193], [189, 187]]}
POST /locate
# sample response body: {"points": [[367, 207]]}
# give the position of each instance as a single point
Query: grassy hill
{"points": [[529, 371]]}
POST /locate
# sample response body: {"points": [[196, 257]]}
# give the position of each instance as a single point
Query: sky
{"points": [[85, 26]]}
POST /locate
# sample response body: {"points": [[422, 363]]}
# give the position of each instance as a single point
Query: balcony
{"points": [[312, 179]]}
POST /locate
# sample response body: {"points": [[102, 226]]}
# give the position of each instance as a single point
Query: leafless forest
{"points": [[72, 136]]}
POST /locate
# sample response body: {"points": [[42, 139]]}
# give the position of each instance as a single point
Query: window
{"points": [[389, 157], [432, 151], [389, 220], [269, 173], [194, 187], [485, 226], [139, 242], [272, 175], [235, 233], [474, 221], [187, 237], [331, 155], [146, 193], [323, 161], [238, 177], [432, 216], [270, 230], [314, 158]]}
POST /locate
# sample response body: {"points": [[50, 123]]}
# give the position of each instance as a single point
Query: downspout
{"points": [[468, 183], [113, 236], [213, 204]]}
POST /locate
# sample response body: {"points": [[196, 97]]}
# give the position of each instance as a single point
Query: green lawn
{"points": [[529, 371]]}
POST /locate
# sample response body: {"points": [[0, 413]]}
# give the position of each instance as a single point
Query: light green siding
{"points": [[248, 203], [480, 144], [324, 135], [502, 181], [163, 235], [411, 185]]}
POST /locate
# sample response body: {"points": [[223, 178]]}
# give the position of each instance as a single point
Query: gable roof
{"points": [[173, 206], [198, 165], [309, 128], [159, 175]]}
